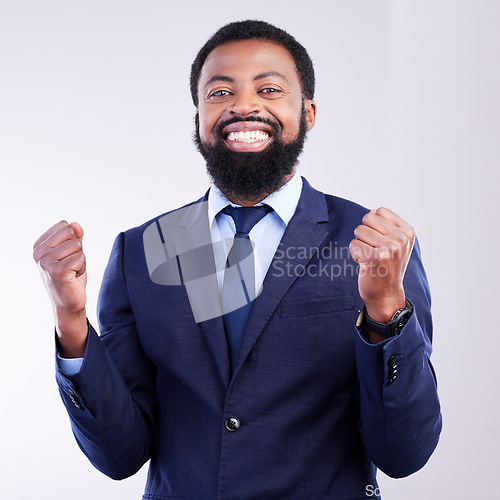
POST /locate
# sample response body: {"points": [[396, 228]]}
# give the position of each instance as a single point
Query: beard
{"points": [[251, 175]]}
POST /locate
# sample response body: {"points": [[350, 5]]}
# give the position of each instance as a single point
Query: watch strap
{"points": [[390, 329]]}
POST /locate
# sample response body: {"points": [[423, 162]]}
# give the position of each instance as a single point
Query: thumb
{"points": [[78, 229]]}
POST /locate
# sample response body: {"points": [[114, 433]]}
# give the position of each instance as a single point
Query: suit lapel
{"points": [[215, 336], [193, 245], [304, 231]]}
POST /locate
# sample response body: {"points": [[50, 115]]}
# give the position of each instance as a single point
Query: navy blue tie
{"points": [[238, 290]]}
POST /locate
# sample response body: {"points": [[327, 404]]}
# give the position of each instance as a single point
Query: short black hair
{"points": [[256, 30]]}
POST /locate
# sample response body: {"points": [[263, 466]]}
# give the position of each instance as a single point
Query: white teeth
{"points": [[248, 136]]}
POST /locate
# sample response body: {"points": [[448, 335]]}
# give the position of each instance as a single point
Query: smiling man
{"points": [[254, 118], [265, 342]]}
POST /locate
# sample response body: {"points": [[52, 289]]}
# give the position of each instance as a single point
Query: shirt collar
{"points": [[284, 201]]}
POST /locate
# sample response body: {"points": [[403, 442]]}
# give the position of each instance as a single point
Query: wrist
{"points": [[383, 310], [375, 332], [72, 331]]}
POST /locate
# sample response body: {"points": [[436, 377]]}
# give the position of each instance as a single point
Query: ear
{"points": [[310, 107]]}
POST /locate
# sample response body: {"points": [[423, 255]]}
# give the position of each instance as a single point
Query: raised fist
{"points": [[382, 246], [59, 255]]}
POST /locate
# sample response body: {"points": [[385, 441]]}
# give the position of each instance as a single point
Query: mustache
{"points": [[276, 126]]}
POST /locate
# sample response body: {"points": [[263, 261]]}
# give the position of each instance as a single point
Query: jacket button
{"points": [[232, 424], [393, 360], [75, 400]]}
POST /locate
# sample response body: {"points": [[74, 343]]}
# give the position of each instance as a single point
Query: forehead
{"points": [[247, 59]]}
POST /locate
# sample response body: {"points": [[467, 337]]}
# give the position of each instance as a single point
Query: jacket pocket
{"points": [[318, 306]]}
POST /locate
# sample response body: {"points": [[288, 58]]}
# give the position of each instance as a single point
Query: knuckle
{"points": [[69, 231], [73, 245], [354, 250], [49, 266], [61, 224], [64, 231], [392, 246], [43, 263], [401, 238], [36, 254], [368, 218]]}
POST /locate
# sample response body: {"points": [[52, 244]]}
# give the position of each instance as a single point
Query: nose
{"points": [[246, 103]]}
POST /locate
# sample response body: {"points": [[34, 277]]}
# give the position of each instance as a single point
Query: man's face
{"points": [[252, 118]]}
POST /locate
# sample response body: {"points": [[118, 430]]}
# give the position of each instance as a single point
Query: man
{"points": [[291, 395]]}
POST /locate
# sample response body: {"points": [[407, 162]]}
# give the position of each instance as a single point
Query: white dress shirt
{"points": [[265, 235]]}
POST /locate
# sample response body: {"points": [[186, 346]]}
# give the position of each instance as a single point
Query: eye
{"points": [[219, 93], [270, 92]]}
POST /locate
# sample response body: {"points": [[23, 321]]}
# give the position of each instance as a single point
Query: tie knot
{"points": [[245, 218]]}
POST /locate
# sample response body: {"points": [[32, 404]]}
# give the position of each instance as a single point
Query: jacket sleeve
{"points": [[400, 415], [111, 401]]}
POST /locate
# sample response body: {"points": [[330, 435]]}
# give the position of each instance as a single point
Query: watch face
{"points": [[402, 322], [403, 319]]}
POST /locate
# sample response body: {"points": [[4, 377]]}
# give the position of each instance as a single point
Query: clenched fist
{"points": [[59, 255], [382, 247]]}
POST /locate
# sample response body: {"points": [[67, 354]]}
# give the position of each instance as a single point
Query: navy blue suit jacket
{"points": [[317, 408]]}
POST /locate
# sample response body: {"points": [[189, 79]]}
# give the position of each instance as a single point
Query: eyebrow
{"points": [[260, 76], [218, 78]]}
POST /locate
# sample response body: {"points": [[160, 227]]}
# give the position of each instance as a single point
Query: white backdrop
{"points": [[95, 126]]}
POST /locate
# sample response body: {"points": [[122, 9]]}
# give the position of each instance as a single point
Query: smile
{"points": [[248, 136]]}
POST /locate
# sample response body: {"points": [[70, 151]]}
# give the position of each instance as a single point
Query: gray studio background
{"points": [[95, 126]]}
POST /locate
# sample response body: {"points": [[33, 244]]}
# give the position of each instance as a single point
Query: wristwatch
{"points": [[390, 329]]}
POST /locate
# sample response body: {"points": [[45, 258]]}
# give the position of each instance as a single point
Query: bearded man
{"points": [[241, 350]]}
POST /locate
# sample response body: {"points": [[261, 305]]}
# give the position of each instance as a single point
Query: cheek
{"points": [[291, 126], [207, 121], [289, 113]]}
